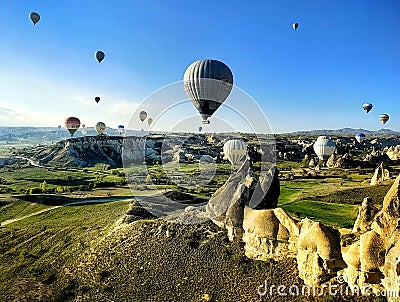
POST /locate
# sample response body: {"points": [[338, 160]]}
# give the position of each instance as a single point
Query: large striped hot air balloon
{"points": [[208, 83]]}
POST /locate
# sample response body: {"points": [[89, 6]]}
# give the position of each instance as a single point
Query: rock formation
{"points": [[226, 206], [374, 259], [366, 214], [380, 174], [368, 255], [393, 152]]}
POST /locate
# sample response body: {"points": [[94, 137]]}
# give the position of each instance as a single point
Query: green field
{"points": [[36, 248], [36, 252]]}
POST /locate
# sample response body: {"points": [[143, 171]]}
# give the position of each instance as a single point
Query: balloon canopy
{"points": [[367, 107], [35, 17], [360, 137], [100, 128], [99, 56], [324, 148], [384, 118], [295, 25], [149, 121], [97, 99], [121, 129], [72, 124], [142, 115], [235, 151], [207, 83]]}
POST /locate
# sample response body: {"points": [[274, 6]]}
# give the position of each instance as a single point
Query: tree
{"points": [[43, 186]]}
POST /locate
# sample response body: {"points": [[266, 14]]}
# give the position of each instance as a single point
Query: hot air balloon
{"points": [[83, 125], [59, 127], [84, 131], [121, 129], [100, 128], [97, 99], [200, 128], [100, 55], [367, 107], [324, 148], [235, 151], [142, 115], [72, 124], [360, 137], [384, 118], [35, 17], [208, 84], [149, 121], [295, 25]]}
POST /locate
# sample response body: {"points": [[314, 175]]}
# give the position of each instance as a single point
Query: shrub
{"points": [[43, 186], [35, 190]]}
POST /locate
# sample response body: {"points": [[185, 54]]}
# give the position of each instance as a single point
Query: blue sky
{"points": [[342, 54]]}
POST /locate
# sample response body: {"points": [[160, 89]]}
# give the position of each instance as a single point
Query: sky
{"points": [[344, 53]]}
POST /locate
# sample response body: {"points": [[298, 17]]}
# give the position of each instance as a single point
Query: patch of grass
{"points": [[287, 165], [39, 246], [337, 215], [19, 208]]}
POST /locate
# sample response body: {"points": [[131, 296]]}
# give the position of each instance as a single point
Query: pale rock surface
{"points": [[380, 174], [319, 255], [366, 214]]}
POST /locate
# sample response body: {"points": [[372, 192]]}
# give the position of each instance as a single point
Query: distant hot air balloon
{"points": [[367, 107], [100, 55], [360, 137], [384, 118], [208, 83], [121, 129], [35, 17], [235, 151], [83, 125], [59, 127], [149, 121], [142, 115], [324, 148], [200, 128], [84, 131], [100, 128], [97, 99], [295, 25], [72, 124]]}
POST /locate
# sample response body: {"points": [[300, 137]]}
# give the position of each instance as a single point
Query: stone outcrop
{"points": [[374, 259], [318, 255], [267, 189], [226, 207], [393, 152], [366, 214], [367, 255], [381, 174], [269, 233]]}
